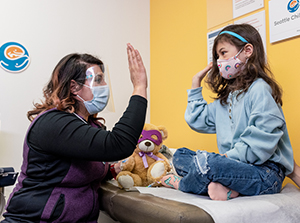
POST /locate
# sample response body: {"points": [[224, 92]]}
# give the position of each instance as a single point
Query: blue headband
{"points": [[235, 35]]}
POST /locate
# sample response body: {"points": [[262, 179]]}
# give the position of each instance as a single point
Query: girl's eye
{"points": [[222, 53]]}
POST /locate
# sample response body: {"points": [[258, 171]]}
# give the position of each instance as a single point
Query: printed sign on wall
{"points": [[14, 57], [284, 19], [242, 7]]}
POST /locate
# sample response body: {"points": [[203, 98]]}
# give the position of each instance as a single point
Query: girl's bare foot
{"points": [[217, 191], [171, 181]]}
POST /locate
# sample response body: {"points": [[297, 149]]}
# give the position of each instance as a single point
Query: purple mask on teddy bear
{"points": [[147, 135]]}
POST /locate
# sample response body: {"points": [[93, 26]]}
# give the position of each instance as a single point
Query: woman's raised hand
{"points": [[137, 72], [196, 82]]}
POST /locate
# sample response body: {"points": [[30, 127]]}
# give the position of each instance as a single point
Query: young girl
{"points": [[255, 150]]}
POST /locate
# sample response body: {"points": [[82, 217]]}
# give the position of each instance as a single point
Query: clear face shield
{"points": [[100, 85], [95, 77]]}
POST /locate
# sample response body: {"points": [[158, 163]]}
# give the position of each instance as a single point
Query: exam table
{"points": [[134, 207]]}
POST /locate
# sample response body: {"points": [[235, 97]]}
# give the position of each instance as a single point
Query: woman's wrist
{"points": [[141, 91]]}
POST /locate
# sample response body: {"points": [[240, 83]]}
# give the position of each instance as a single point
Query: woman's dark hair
{"points": [[256, 66], [57, 92]]}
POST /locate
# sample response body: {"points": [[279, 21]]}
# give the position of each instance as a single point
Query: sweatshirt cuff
{"points": [[195, 94], [233, 154]]}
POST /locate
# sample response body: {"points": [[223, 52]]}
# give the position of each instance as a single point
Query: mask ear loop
{"points": [[247, 58], [84, 85], [239, 52], [80, 98]]}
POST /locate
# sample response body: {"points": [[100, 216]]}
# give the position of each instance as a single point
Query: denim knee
{"points": [[182, 160], [183, 152], [201, 161], [197, 177]]}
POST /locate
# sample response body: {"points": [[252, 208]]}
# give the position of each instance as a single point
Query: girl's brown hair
{"points": [[256, 66], [57, 92]]}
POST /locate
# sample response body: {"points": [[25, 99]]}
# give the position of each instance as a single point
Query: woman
{"points": [[66, 147]]}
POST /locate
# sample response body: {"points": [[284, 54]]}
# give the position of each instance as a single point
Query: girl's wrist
{"points": [[196, 82]]}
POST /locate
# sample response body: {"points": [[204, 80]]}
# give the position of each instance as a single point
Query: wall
{"points": [[52, 29], [178, 51]]}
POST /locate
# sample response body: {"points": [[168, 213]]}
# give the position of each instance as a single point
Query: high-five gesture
{"points": [[137, 72]]}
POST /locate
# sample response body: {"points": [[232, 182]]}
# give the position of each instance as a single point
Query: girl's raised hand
{"points": [[137, 72], [196, 82]]}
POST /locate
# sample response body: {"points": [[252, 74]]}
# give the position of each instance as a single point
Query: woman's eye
{"points": [[98, 79]]}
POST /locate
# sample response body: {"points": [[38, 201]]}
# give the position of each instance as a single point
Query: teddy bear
{"points": [[146, 166]]}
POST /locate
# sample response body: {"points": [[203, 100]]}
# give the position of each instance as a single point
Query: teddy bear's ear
{"points": [[163, 131]]}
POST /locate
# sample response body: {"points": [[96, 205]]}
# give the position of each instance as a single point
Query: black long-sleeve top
{"points": [[64, 134], [61, 170]]}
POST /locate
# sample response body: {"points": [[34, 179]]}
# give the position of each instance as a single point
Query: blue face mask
{"points": [[99, 101]]}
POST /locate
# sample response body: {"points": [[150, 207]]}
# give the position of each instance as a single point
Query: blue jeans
{"points": [[200, 168]]}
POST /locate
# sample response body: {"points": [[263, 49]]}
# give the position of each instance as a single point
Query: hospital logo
{"points": [[293, 5], [14, 57]]}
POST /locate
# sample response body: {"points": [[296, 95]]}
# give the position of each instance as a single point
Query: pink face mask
{"points": [[231, 67]]}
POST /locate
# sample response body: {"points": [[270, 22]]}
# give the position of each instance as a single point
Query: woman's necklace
{"points": [[80, 118]]}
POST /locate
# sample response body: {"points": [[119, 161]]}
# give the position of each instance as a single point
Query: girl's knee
{"points": [[183, 155], [201, 162], [182, 160]]}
